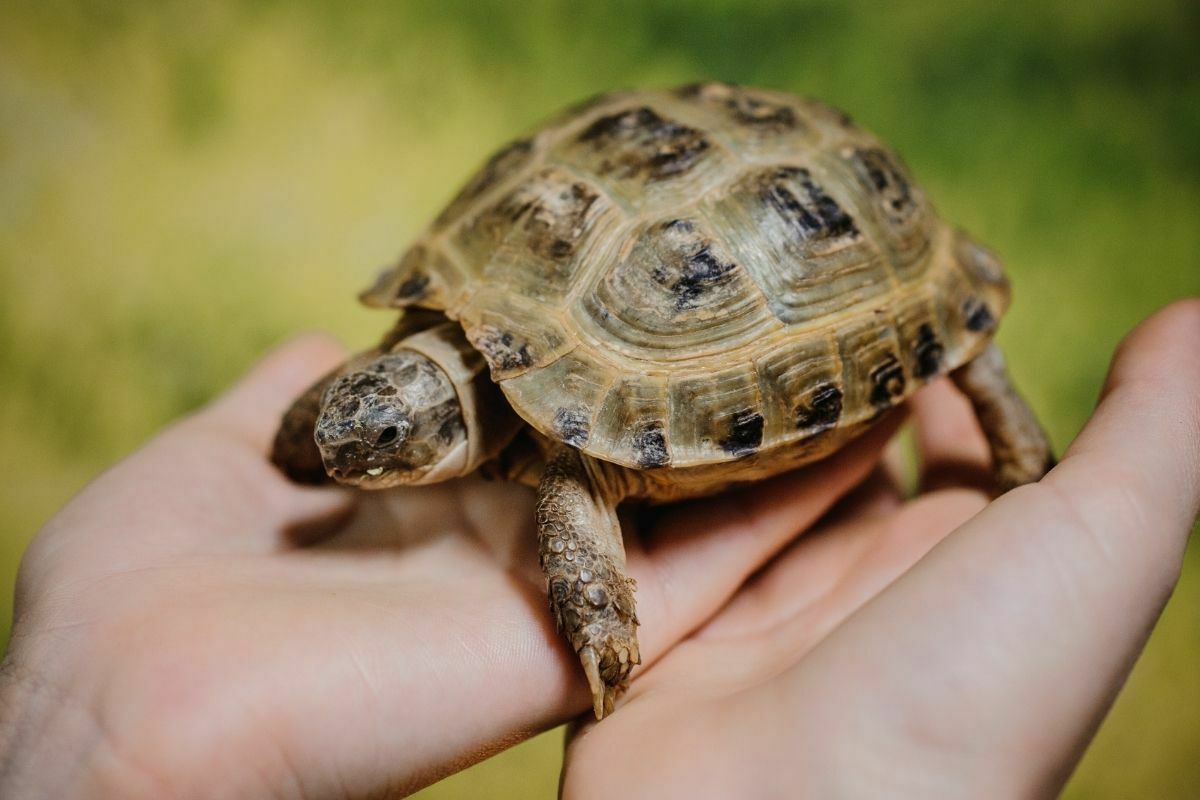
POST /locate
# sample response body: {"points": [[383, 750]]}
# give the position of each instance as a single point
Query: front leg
{"points": [[1021, 450], [294, 451], [583, 557]]}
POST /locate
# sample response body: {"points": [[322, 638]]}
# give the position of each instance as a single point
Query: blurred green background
{"points": [[183, 185]]}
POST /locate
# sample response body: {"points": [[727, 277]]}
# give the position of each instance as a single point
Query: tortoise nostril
{"points": [[387, 436]]}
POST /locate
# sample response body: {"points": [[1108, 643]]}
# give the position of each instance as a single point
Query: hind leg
{"points": [[294, 450], [1020, 448], [583, 557]]}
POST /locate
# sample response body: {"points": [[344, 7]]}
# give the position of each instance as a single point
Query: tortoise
{"points": [[656, 296]]}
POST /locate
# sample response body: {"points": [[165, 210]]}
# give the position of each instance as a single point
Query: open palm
{"points": [[193, 624], [936, 646]]}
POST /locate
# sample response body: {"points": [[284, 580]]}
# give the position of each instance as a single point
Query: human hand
{"points": [[193, 625], [940, 646]]}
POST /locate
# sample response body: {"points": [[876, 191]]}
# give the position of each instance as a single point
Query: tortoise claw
{"points": [[608, 673], [601, 704]]}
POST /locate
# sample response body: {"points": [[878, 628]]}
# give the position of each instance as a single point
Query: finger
{"points": [[204, 484], [953, 450], [1046, 596], [898, 466], [698, 554], [1135, 467], [824, 577], [877, 495]]}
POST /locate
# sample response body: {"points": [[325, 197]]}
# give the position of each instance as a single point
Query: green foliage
{"points": [[182, 185]]}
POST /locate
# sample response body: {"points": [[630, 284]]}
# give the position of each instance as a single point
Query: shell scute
{"points": [[696, 276], [514, 334], [506, 162], [574, 386], [673, 293], [632, 423], [970, 294], [801, 385], [746, 108], [535, 239], [422, 277], [716, 415], [874, 376], [801, 243], [642, 155], [639, 142], [904, 221], [922, 340]]}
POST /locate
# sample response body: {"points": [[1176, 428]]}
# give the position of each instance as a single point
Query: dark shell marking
{"points": [[886, 178], [556, 222], [816, 215], [977, 317], [640, 142], [677, 287], [422, 277], [414, 287], [742, 106], [821, 410], [745, 433], [887, 382], [651, 446], [696, 270], [506, 162], [927, 353], [571, 426], [502, 349], [551, 211]]}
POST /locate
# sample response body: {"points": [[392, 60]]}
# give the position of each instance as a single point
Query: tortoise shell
{"points": [[687, 277]]}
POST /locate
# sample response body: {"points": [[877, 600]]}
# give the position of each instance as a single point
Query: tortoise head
{"points": [[391, 420]]}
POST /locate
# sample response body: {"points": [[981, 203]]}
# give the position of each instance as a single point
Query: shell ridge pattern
{"points": [[715, 436], [666, 205], [493, 189], [571, 169], [633, 217], [672, 107], [676, 287], [799, 239], [843, 175], [690, 277], [644, 154], [446, 247], [868, 220], [897, 203], [684, 105], [597, 409]]}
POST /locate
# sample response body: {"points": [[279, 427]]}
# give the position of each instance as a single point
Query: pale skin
{"points": [[179, 634]]}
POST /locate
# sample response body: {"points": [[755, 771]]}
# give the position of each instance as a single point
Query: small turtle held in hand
{"points": [[659, 295]]}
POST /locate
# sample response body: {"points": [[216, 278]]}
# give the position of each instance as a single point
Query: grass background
{"points": [[183, 185]]}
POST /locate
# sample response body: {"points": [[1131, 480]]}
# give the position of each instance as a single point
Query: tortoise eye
{"points": [[387, 436]]}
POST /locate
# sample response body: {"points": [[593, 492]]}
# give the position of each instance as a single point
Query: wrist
{"points": [[51, 745]]}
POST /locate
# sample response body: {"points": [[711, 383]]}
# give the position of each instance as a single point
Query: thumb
{"points": [[1001, 651]]}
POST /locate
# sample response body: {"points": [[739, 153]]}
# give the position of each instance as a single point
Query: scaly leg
{"points": [[1020, 449], [294, 451], [583, 558]]}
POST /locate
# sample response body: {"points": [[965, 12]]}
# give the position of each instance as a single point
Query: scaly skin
{"points": [[294, 451], [1021, 450], [583, 557]]}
